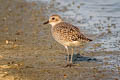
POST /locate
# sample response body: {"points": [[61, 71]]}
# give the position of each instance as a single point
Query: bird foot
{"points": [[69, 65]]}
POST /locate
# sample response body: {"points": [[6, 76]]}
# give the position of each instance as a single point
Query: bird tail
{"points": [[89, 39]]}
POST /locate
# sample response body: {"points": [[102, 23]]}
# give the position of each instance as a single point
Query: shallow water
{"points": [[100, 18]]}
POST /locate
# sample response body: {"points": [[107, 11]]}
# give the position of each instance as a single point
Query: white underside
{"points": [[74, 43]]}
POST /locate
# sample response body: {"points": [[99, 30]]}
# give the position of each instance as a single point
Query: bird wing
{"points": [[70, 32]]}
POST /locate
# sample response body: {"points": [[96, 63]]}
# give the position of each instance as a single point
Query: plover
{"points": [[66, 34]]}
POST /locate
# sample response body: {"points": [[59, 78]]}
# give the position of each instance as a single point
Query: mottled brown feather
{"points": [[68, 32]]}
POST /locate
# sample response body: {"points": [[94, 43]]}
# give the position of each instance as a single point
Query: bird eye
{"points": [[53, 18]]}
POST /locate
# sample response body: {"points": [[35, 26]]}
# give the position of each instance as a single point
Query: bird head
{"points": [[53, 20]]}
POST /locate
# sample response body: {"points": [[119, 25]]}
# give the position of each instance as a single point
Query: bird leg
{"points": [[71, 56], [69, 61], [67, 54], [71, 64]]}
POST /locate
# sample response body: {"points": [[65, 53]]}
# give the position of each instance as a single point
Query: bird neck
{"points": [[54, 23]]}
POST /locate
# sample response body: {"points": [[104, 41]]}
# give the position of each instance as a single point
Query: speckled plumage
{"points": [[66, 33]]}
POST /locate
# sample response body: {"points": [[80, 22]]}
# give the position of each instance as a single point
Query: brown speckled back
{"points": [[64, 32]]}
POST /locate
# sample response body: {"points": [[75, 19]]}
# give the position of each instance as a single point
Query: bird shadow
{"points": [[78, 58]]}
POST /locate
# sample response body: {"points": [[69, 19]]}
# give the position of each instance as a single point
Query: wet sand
{"points": [[28, 51]]}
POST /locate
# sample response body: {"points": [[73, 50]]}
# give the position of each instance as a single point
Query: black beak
{"points": [[46, 22]]}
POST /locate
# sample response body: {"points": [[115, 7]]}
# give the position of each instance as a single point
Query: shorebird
{"points": [[66, 34]]}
